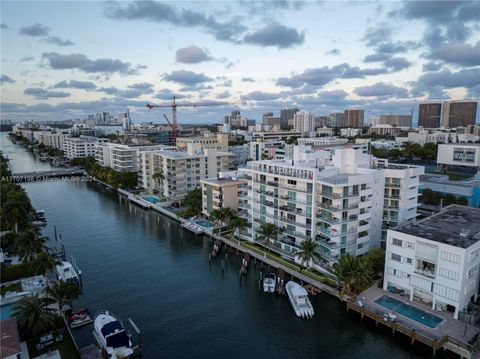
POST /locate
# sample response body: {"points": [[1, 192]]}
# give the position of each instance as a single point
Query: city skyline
{"points": [[65, 60]]}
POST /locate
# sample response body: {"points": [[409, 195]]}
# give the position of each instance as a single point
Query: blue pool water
{"points": [[204, 223], [151, 199], [409, 311], [6, 311]]}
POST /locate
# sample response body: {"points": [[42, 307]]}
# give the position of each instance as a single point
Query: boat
{"points": [[79, 318], [298, 297], [269, 283], [67, 273], [40, 216], [111, 335]]}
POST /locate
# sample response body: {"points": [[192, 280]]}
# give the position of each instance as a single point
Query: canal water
{"points": [[142, 265]]}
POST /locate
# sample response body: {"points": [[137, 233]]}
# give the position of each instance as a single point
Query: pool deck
{"points": [[449, 330]]}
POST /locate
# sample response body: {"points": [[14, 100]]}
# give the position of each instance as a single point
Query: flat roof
{"points": [[224, 182], [455, 225], [10, 342]]}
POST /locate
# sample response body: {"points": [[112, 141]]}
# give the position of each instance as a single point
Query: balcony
{"points": [[392, 185], [338, 208], [325, 242], [334, 233], [394, 196], [425, 272], [334, 220], [339, 195]]}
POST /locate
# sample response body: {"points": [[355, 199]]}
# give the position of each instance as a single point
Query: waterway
{"points": [[142, 265]]}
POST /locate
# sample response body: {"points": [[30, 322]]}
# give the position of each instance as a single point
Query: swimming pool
{"points": [[411, 312], [204, 223], [6, 311], [151, 199]]}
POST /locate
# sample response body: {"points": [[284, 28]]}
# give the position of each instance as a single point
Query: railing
{"points": [[336, 208], [334, 221], [339, 195], [336, 245], [426, 273], [335, 233], [393, 185]]}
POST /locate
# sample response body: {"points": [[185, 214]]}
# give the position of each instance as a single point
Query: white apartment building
{"points": [[458, 155], [122, 158], [218, 141], [338, 201], [304, 122], [51, 139], [83, 146], [325, 131], [436, 259], [321, 141], [350, 132], [383, 130], [260, 149], [182, 169]]}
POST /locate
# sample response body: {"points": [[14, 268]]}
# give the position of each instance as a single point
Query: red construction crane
{"points": [[174, 106]]}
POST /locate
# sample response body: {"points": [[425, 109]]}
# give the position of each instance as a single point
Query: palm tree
{"points": [[34, 316], [268, 231], [216, 215], [160, 177], [353, 273], [63, 293], [237, 223], [307, 253], [43, 263], [29, 245]]}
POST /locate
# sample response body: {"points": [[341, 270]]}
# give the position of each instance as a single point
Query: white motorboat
{"points": [[269, 283], [40, 216], [67, 273], [112, 336], [298, 297]]}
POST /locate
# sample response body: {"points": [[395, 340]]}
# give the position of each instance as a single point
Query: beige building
{"points": [[221, 193], [218, 141]]}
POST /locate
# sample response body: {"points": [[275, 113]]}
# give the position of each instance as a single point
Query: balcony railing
{"points": [[334, 221], [331, 233], [333, 208], [335, 245], [339, 195]]}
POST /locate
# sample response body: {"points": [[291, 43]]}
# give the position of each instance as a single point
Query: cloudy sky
{"points": [[62, 60]]}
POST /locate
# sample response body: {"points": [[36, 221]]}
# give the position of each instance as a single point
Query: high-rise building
{"points": [[269, 120], [395, 120], [304, 122], [429, 114], [337, 119], [235, 114], [286, 115], [338, 200], [459, 113], [354, 118]]}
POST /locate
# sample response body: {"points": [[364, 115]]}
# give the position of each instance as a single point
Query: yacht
{"points": [[40, 216], [112, 336], [298, 297], [66, 272], [269, 283]]}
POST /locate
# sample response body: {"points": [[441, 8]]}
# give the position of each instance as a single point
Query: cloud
{"points": [[185, 77], [58, 41], [467, 78], [397, 63], [4, 26], [431, 66], [26, 59], [376, 58], [35, 30], [457, 53], [248, 79], [133, 91], [166, 94], [42, 94], [165, 13], [192, 55], [260, 96], [323, 75], [377, 34], [83, 63], [435, 11], [74, 84], [4, 79], [333, 52], [224, 94], [381, 89], [275, 34]]}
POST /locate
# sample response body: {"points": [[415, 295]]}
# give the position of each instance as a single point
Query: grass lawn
{"points": [[65, 347], [16, 287]]}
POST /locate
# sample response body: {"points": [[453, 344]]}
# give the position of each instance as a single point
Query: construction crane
{"points": [[174, 106]]}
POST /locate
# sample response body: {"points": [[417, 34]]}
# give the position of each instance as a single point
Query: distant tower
{"points": [[127, 121]]}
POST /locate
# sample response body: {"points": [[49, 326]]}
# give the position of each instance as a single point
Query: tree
{"points": [[237, 223], [307, 253], [194, 200], [29, 245], [160, 177], [353, 273], [376, 260], [216, 215], [63, 293], [34, 316], [43, 263], [267, 232]]}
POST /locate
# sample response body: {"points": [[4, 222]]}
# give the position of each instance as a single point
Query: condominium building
{"points": [[286, 115], [436, 259], [240, 154], [51, 139], [218, 141], [456, 156], [459, 113], [350, 132], [304, 122], [122, 158], [324, 131], [429, 114], [354, 118], [221, 193], [336, 200], [83, 146], [321, 141], [182, 170], [259, 150], [393, 119], [337, 119], [383, 130]]}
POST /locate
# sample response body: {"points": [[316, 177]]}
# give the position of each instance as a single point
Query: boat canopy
{"points": [[115, 335]]}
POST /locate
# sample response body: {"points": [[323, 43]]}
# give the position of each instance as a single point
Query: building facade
{"points": [[354, 118], [436, 259], [304, 122], [83, 146], [429, 114], [221, 193], [458, 156], [459, 113]]}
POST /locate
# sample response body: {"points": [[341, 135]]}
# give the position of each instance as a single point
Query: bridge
{"points": [[45, 175]]}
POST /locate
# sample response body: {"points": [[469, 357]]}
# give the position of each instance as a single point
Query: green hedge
{"points": [[16, 271]]}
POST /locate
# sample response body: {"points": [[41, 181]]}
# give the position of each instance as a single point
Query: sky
{"points": [[64, 60]]}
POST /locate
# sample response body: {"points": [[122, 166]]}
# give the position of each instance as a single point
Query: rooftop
{"points": [[456, 225], [10, 342]]}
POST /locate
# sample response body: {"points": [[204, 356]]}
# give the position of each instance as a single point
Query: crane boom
{"points": [[174, 106]]}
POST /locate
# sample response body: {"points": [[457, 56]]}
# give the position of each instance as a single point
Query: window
{"points": [[397, 242], [410, 245], [443, 272], [450, 257], [408, 260], [396, 257]]}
